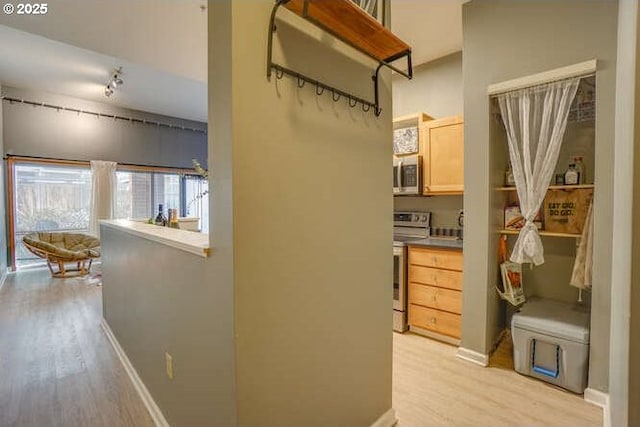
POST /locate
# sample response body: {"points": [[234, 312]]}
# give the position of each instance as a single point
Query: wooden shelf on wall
{"points": [[348, 22], [554, 187], [543, 233]]}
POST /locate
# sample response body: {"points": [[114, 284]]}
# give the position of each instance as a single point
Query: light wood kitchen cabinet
{"points": [[443, 156], [415, 121], [435, 292]]}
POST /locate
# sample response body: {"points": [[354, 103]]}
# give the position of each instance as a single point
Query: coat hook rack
{"points": [[324, 14]]}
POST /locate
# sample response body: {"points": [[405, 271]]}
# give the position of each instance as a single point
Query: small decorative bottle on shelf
{"points": [[572, 176], [509, 179], [577, 160]]}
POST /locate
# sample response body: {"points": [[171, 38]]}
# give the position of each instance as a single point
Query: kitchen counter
{"points": [[189, 241], [437, 243]]}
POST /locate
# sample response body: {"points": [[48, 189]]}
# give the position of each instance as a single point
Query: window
{"points": [[166, 191], [133, 195], [49, 198], [55, 196], [197, 200]]}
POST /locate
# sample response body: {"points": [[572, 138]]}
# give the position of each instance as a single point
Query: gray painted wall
{"points": [[312, 304], [159, 299], [45, 132], [623, 378], [289, 303], [436, 89], [634, 327], [504, 40]]}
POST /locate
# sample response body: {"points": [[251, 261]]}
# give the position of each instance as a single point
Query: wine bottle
{"points": [[160, 218]]}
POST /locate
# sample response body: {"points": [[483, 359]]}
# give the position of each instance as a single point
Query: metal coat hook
{"points": [[333, 96], [279, 74], [366, 107], [352, 102], [319, 89], [301, 82]]}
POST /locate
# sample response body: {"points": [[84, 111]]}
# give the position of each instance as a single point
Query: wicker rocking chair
{"points": [[60, 249]]}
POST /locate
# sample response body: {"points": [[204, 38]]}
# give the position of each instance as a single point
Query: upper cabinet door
{"points": [[443, 156]]}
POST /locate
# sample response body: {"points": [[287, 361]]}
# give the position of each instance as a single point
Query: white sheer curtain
{"points": [[535, 119], [103, 193], [582, 276]]}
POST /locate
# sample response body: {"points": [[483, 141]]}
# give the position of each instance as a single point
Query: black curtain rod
{"points": [[89, 161], [93, 113]]}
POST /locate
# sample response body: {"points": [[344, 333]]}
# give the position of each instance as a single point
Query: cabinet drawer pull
{"points": [[433, 320]]}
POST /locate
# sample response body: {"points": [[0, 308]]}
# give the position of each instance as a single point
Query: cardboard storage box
{"points": [[565, 211], [551, 342]]}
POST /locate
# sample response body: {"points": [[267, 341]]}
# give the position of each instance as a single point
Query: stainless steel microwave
{"points": [[407, 175]]}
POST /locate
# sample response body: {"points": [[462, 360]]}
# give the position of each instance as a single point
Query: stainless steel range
{"points": [[407, 227]]}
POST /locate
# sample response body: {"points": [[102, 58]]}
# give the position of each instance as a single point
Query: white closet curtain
{"points": [[103, 194], [535, 119], [582, 276]]}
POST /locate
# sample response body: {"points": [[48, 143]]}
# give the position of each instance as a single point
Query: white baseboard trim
{"points": [[156, 414], [600, 399], [388, 419], [473, 356]]}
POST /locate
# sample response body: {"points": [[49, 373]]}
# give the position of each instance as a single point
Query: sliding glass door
{"points": [[48, 198]]}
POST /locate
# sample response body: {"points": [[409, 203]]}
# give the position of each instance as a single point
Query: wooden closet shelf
{"points": [[543, 233]]}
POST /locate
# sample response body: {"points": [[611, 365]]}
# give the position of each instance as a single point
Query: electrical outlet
{"points": [[169, 365]]}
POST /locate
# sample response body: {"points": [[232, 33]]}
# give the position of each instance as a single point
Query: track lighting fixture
{"points": [[116, 80]]}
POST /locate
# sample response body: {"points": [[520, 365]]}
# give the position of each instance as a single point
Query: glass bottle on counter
{"points": [[160, 218], [173, 219]]}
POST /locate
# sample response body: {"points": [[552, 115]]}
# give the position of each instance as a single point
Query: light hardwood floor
{"points": [[57, 367], [432, 387]]}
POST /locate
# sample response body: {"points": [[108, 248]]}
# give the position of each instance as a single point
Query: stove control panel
{"points": [[411, 218]]}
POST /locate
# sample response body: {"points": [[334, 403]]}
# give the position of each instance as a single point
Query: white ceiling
{"points": [[162, 47], [72, 50], [433, 28], [168, 35], [38, 63]]}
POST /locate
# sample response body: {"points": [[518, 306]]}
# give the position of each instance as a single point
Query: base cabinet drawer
{"points": [[434, 320], [436, 277], [436, 258], [434, 297]]}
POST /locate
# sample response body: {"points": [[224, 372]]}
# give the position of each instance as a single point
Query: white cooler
{"points": [[551, 342]]}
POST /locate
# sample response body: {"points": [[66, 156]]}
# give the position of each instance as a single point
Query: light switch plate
{"points": [[169, 365]]}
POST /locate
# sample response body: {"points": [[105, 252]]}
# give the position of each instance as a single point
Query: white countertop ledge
{"points": [[189, 241]]}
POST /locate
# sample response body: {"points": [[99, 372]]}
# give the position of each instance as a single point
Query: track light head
{"points": [[114, 82]]}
